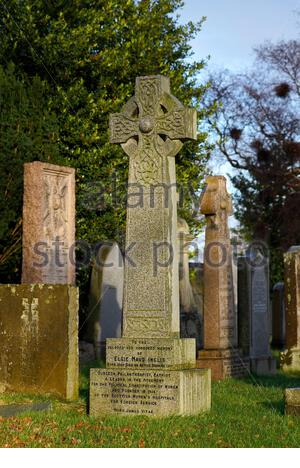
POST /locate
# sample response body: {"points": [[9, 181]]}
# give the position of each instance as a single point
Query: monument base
{"points": [[39, 339], [149, 392], [292, 401], [263, 365], [223, 363], [290, 360]]}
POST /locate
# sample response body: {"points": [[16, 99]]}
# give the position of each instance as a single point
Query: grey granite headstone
{"points": [[106, 297], [254, 312]]}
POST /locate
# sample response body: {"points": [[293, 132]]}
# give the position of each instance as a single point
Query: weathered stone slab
{"points": [[149, 392], [106, 297], [164, 353], [48, 224], [290, 359], [7, 411], [292, 401], [254, 312], [39, 339]]}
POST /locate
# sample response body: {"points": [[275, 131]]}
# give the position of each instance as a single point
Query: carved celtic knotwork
{"points": [[122, 128], [148, 94], [55, 212], [151, 126], [147, 165]]}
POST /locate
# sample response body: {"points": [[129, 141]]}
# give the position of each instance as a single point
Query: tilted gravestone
{"points": [[220, 351], [254, 311], [106, 297], [278, 316], [150, 370], [290, 359], [190, 318], [48, 224], [39, 318]]}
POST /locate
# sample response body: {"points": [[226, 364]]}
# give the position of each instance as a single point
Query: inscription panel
{"points": [[153, 353], [149, 392], [260, 312]]}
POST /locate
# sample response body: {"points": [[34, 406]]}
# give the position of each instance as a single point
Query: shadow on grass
{"points": [[280, 380], [277, 406]]}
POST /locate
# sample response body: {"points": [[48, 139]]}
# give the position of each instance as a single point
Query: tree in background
{"points": [[257, 129], [28, 131], [89, 53]]}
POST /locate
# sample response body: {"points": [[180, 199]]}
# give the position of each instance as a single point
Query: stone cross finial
{"points": [[151, 130], [152, 126], [215, 197]]}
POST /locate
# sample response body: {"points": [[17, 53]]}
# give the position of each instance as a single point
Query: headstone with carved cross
{"points": [[150, 370], [220, 351], [39, 318]]}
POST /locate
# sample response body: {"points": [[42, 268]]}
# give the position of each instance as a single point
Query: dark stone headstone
{"points": [[278, 316], [254, 313]]}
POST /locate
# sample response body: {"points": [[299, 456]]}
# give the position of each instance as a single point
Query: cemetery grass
{"points": [[245, 413]]}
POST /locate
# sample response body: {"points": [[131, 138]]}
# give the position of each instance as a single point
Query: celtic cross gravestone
{"points": [[150, 370], [220, 351]]}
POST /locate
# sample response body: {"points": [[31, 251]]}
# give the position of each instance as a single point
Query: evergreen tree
{"points": [[89, 54]]}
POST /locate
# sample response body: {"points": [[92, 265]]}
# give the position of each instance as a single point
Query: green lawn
{"points": [[245, 413]]}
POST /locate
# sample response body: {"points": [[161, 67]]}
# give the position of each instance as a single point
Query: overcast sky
{"points": [[234, 27]]}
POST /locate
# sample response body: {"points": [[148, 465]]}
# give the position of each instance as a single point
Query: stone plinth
{"points": [[292, 401], [224, 363], [149, 392], [39, 339], [254, 312], [290, 359], [48, 224], [220, 325], [150, 370]]}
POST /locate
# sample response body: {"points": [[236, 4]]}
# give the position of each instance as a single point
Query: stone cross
{"points": [[151, 130], [220, 323], [219, 319], [151, 370]]}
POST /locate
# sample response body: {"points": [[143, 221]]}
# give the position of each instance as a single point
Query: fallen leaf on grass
{"points": [[75, 441], [141, 443], [125, 429]]}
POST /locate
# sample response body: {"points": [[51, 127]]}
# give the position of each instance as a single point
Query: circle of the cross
{"points": [[153, 121]]}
